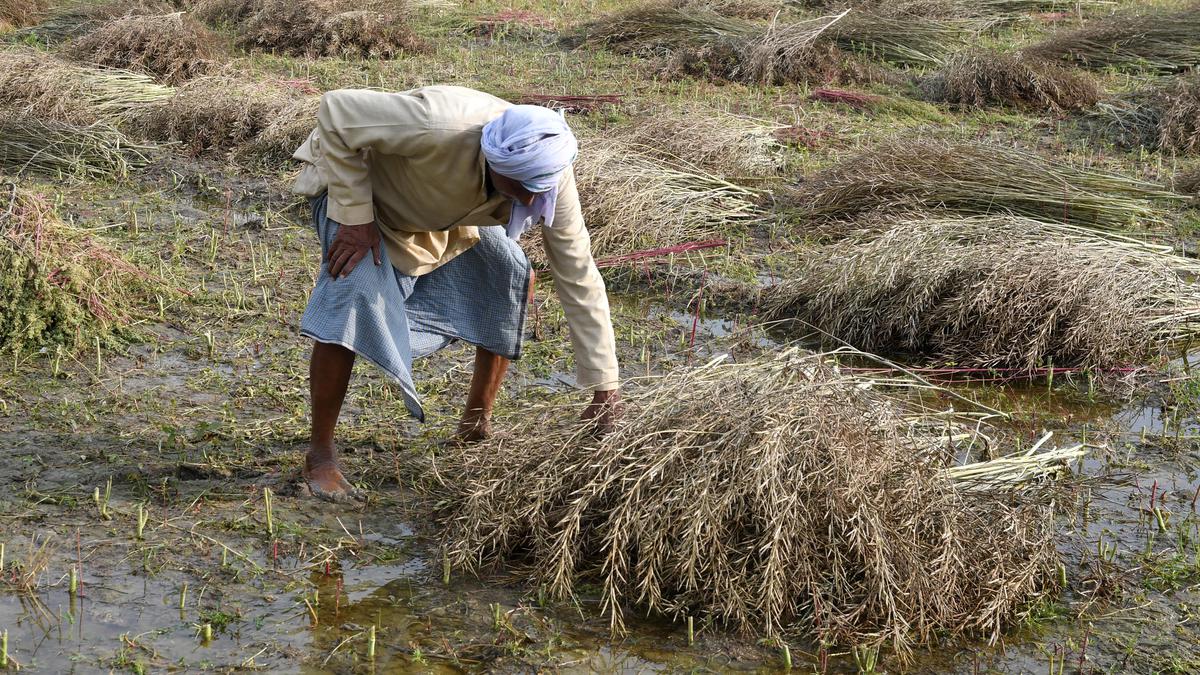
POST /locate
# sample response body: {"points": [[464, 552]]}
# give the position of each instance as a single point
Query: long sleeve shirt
{"points": [[412, 163]]}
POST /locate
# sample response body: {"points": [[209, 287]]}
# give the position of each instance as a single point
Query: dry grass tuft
{"points": [[21, 13], [42, 86], [1156, 39], [216, 113], [59, 285], [1164, 117], [172, 47], [633, 201], [718, 142], [995, 291], [977, 178], [61, 150], [980, 78], [771, 495]]}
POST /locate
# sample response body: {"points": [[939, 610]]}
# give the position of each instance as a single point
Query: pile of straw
{"points": [[1157, 39], [171, 47], [314, 28], [720, 143], [996, 291], [58, 284], [75, 19], [771, 495], [285, 132], [983, 78], [632, 201], [19, 13], [702, 43], [61, 150], [1187, 182], [742, 9], [1164, 117], [42, 86], [216, 113], [977, 178], [899, 38]]}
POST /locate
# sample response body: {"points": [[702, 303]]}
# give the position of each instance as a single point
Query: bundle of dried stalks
{"points": [[632, 201], [72, 20], [221, 12], [1158, 39], [19, 13], [286, 131], [61, 150], [1187, 182], [996, 291], [718, 142], [1164, 117], [219, 112], [771, 495], [994, 10], [742, 9], [58, 284], [982, 78], [316, 28], [977, 178], [48, 88], [903, 39], [702, 43], [172, 47]]}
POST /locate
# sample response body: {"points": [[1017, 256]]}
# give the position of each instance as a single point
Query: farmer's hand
{"points": [[350, 245], [604, 411]]}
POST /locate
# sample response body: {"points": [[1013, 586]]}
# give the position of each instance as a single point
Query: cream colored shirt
{"points": [[412, 162]]}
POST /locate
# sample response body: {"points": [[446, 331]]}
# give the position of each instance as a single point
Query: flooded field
{"points": [[911, 175]]}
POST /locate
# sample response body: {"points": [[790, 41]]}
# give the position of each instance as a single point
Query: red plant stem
{"points": [[696, 316], [1153, 490], [660, 252]]}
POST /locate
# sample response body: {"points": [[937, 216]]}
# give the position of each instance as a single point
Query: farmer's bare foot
{"points": [[603, 412], [474, 428], [325, 478]]}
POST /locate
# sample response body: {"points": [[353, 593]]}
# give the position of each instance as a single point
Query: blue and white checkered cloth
{"points": [[390, 318]]}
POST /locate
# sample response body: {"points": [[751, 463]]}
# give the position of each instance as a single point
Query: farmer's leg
{"points": [[490, 368], [328, 376]]}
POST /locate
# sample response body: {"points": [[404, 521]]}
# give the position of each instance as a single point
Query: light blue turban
{"points": [[533, 145]]}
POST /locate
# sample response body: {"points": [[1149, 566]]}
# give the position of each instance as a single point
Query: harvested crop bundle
{"points": [[75, 19], [977, 178], [631, 200], [215, 113], [48, 88], [316, 28], [772, 495], [1163, 117], [171, 47], [702, 43], [64, 150], [743, 9], [979, 79], [718, 142], [19, 13], [1188, 182], [996, 291], [1164, 40], [59, 285], [286, 131], [903, 39]]}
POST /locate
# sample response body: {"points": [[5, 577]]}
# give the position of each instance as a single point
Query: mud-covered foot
{"points": [[473, 429], [325, 480]]}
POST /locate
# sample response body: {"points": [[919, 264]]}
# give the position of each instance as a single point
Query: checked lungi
{"points": [[391, 318]]}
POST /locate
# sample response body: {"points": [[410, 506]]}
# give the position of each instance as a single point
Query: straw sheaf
{"points": [[996, 291], [978, 178], [1152, 38], [980, 78], [172, 47], [1164, 116], [772, 495]]}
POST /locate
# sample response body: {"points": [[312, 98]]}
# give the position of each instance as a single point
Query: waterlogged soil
{"points": [[152, 519]]}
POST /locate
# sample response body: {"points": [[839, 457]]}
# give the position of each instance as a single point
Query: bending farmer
{"points": [[418, 199]]}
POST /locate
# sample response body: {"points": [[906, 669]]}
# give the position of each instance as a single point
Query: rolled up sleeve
{"points": [[581, 291]]}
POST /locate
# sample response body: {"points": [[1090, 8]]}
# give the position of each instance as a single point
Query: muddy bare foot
{"points": [[473, 430], [325, 479]]}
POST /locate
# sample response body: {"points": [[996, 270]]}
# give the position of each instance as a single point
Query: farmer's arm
{"points": [[350, 121], [581, 290]]}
